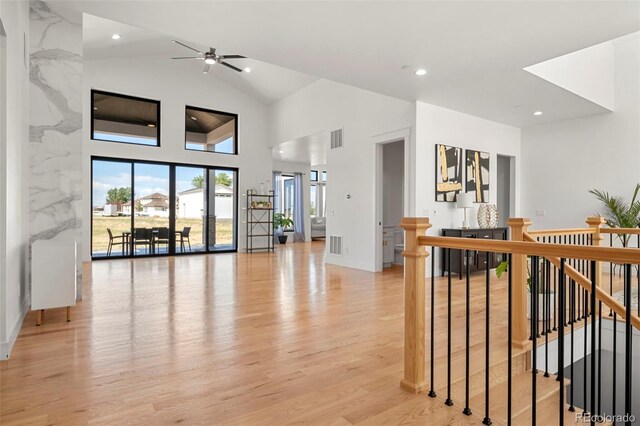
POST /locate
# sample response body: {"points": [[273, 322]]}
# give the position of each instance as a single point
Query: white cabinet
{"points": [[53, 276], [388, 246]]}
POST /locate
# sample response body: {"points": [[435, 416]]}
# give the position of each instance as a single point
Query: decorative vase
{"points": [[487, 216]]}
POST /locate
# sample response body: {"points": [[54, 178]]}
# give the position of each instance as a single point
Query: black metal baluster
{"points": [[487, 419], [561, 312], [615, 352], [599, 411], [628, 354], [510, 342], [584, 393], [531, 300], [572, 313], [592, 309], [534, 333], [448, 401], [555, 292], [547, 316], [543, 284], [466, 409], [611, 278], [432, 391]]}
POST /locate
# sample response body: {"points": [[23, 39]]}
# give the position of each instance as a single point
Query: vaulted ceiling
{"points": [[474, 51]]}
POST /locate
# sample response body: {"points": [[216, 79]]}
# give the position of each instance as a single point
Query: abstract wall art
{"points": [[448, 172], [477, 165]]}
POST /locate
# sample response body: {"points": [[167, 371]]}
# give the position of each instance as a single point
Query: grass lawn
{"points": [[118, 225]]}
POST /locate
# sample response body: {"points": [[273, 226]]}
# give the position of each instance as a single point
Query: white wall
{"points": [[291, 167], [392, 183], [436, 125], [324, 106], [14, 141], [566, 159], [164, 80]]}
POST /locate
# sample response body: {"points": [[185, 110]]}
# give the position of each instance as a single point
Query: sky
{"points": [[149, 178]]}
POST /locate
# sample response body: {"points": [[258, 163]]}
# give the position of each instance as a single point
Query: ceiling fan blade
{"points": [[206, 68], [233, 57], [188, 57], [230, 66], [188, 47]]}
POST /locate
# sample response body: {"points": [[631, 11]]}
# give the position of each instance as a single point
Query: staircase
{"points": [[451, 326]]}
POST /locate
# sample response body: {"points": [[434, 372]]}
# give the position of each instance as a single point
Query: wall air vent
{"points": [[335, 245], [336, 139]]}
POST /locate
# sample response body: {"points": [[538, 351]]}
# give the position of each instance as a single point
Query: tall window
{"points": [[126, 119], [318, 192], [286, 198], [211, 131]]}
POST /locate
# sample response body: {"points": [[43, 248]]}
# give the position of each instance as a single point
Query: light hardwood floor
{"points": [[236, 339]]}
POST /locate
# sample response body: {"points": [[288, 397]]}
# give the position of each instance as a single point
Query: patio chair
{"points": [[184, 236], [142, 237], [115, 241], [161, 236]]}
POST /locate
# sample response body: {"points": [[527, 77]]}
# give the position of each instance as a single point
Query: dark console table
{"points": [[477, 259]]}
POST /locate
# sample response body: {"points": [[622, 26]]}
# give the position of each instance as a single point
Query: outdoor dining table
{"points": [[129, 240]]}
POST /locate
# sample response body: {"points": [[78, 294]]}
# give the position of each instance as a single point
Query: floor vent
{"points": [[335, 245], [336, 139]]}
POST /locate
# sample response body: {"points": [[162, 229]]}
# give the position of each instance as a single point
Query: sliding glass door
{"points": [[110, 221], [191, 209], [222, 208], [150, 209], [143, 208]]}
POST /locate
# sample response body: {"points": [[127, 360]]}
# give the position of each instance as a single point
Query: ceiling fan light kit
{"points": [[210, 58]]}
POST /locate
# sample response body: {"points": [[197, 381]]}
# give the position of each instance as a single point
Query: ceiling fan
{"points": [[210, 58]]}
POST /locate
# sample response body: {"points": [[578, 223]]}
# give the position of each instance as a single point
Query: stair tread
{"points": [[546, 387]]}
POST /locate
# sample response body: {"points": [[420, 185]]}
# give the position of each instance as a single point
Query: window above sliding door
{"points": [[211, 131], [125, 119]]}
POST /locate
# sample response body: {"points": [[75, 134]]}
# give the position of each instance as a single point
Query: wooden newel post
{"points": [[596, 223], [519, 277], [414, 303]]}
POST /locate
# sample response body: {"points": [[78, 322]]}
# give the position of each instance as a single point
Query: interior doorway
{"points": [[505, 188], [391, 200]]}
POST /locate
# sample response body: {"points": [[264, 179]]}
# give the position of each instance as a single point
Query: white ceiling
{"points": [[268, 83], [475, 50]]}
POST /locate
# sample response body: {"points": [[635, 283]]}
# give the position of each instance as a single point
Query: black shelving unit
{"points": [[259, 221]]}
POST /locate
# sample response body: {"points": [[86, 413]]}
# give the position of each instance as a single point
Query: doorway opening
{"points": [[391, 201], [505, 188]]}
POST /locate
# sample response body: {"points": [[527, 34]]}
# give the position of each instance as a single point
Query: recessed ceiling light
{"points": [[421, 71], [193, 118], [116, 36], [151, 125], [247, 69], [537, 113], [281, 152]]}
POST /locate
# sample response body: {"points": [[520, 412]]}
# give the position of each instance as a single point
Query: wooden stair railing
{"points": [[523, 243]]}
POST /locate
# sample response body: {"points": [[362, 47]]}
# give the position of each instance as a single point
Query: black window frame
{"points": [[312, 174], [236, 117], [135, 98], [172, 212]]}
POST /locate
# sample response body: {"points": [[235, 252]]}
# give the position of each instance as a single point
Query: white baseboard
{"points": [[6, 347]]}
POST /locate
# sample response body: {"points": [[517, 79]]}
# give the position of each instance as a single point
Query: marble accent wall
{"points": [[55, 125]]}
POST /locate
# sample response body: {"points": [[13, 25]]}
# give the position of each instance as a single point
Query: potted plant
{"points": [[280, 221], [620, 213], [543, 314]]}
